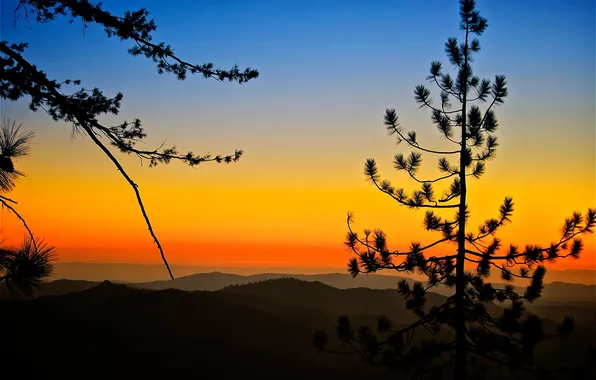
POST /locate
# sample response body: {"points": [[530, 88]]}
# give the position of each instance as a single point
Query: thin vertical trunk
{"points": [[460, 322]]}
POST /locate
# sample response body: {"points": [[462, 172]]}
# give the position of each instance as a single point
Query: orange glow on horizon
{"points": [[110, 246], [93, 217]]}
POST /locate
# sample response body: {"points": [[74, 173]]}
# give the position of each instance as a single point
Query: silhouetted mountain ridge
{"points": [[218, 280], [123, 272], [356, 301], [556, 291], [265, 328]]}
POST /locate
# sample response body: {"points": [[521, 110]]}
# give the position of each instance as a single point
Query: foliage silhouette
{"points": [[508, 339], [25, 267], [83, 108], [21, 268]]}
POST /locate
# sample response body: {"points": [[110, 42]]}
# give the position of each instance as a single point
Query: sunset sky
{"points": [[328, 70]]}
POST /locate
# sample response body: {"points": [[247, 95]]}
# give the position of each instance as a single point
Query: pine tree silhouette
{"points": [[479, 335], [23, 268], [82, 108]]}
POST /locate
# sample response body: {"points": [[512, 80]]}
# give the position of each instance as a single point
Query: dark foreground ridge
{"points": [[257, 330], [116, 332]]}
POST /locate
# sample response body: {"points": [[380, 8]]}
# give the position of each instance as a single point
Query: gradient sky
{"points": [[328, 70]]}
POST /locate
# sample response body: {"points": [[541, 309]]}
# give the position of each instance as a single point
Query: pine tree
{"points": [[84, 107], [23, 268], [467, 257]]}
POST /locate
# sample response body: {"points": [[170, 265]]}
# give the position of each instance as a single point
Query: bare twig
{"points": [[135, 189], [4, 202]]}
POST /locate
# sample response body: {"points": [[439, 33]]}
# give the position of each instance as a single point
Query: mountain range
{"points": [[259, 329], [553, 292], [133, 272]]}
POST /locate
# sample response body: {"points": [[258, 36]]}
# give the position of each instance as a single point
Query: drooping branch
{"points": [[444, 87], [430, 180], [22, 78], [418, 199], [391, 122], [133, 26], [82, 108], [411, 203], [427, 103], [135, 188], [5, 203], [377, 256]]}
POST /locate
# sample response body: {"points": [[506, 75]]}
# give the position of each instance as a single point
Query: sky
{"points": [[328, 70]]}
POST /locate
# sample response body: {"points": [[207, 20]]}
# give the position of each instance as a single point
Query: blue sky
{"points": [[328, 69], [325, 49]]}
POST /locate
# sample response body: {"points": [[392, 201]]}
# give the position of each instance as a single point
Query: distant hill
{"points": [[151, 272], [258, 330], [569, 292], [133, 272], [58, 287], [51, 288], [553, 292], [584, 313], [216, 280], [357, 301]]}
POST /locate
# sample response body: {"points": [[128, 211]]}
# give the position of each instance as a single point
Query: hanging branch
{"points": [[5, 203], [19, 78]]}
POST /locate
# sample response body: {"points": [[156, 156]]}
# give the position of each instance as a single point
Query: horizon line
{"points": [[253, 266]]}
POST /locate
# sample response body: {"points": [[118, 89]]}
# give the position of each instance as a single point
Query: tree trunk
{"points": [[461, 354]]}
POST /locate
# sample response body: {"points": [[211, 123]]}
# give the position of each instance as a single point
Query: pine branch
{"points": [[445, 89], [133, 26], [402, 202], [393, 127], [427, 102], [353, 235], [135, 188], [4, 202], [20, 78], [25, 79], [430, 180], [536, 251]]}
